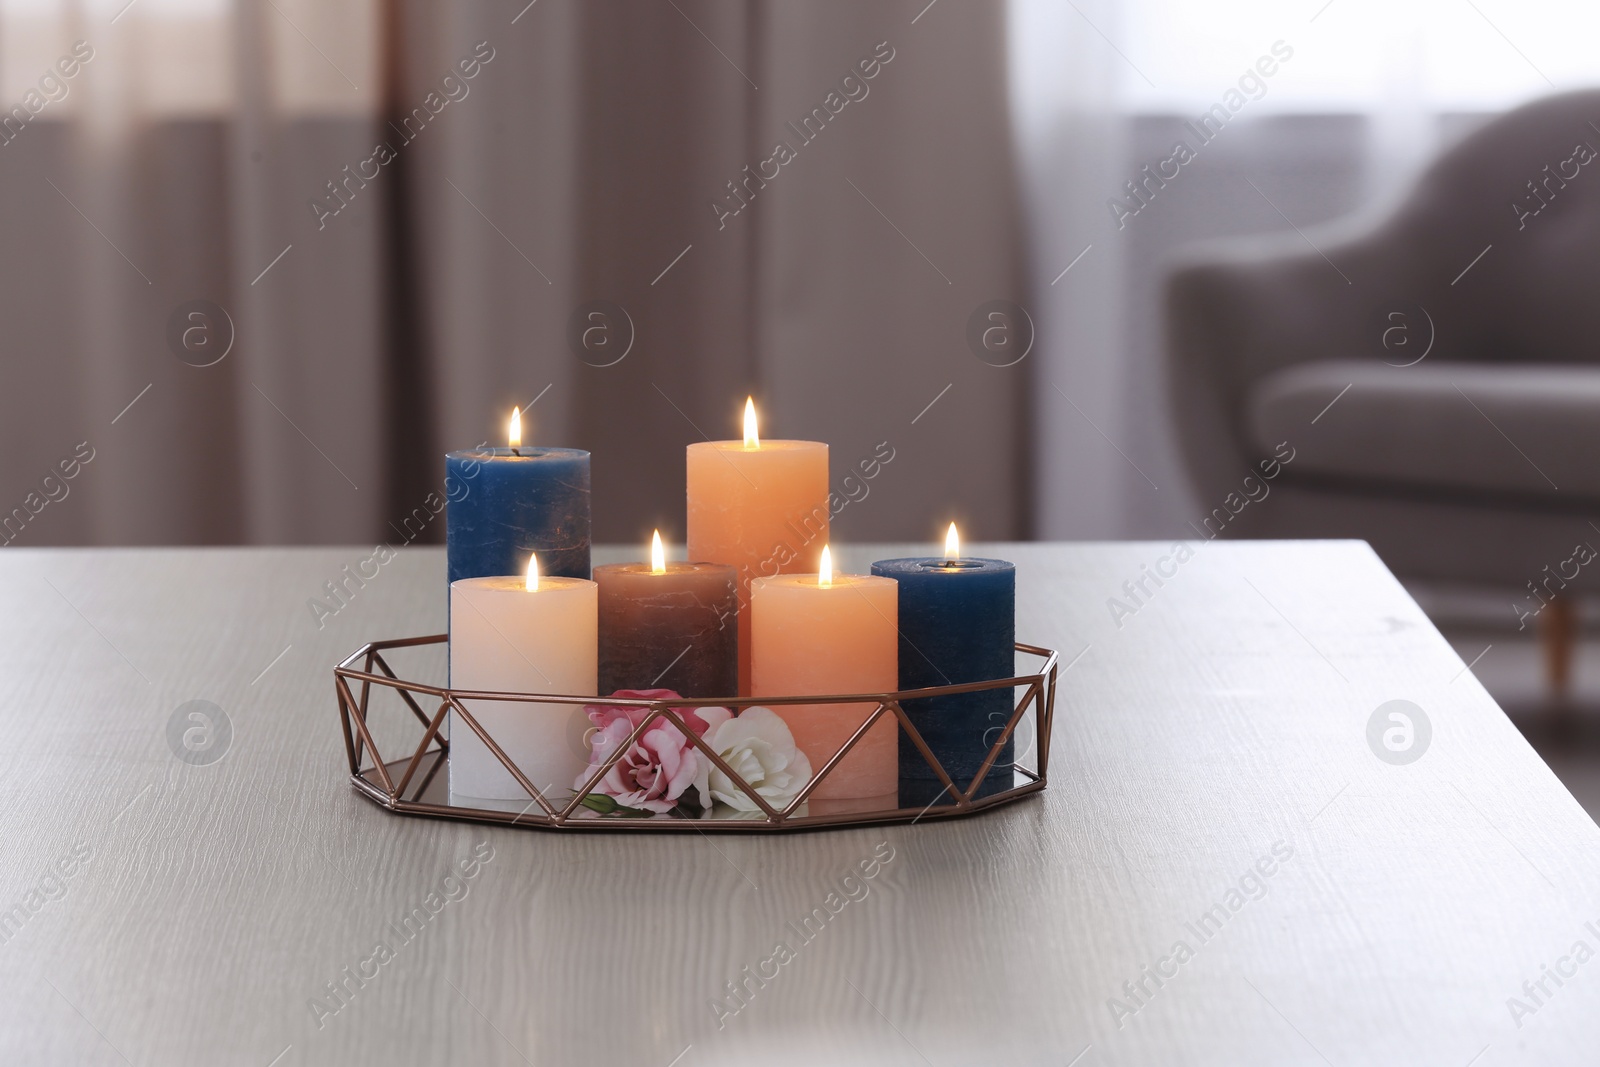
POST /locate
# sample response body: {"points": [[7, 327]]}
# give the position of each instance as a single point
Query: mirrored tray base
{"points": [[418, 783]]}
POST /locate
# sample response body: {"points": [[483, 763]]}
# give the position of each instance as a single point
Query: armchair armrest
{"points": [[1235, 311], [1530, 430]]}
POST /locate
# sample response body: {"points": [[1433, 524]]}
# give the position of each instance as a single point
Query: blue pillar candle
{"points": [[957, 625], [507, 503]]}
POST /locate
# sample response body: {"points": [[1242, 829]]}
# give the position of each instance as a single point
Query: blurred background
{"points": [[263, 261]]}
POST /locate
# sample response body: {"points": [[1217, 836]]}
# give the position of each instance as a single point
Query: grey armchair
{"points": [[1435, 378]]}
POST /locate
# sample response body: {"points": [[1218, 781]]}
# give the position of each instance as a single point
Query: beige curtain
{"points": [[540, 164], [175, 168]]}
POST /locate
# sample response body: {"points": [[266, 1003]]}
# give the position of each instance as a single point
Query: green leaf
{"points": [[599, 802], [607, 805]]}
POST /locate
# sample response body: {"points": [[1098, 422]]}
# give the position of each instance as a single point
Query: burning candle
{"points": [[524, 634], [507, 502], [760, 507], [825, 633], [669, 626], [957, 625]]}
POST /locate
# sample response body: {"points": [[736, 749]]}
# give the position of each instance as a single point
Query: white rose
{"points": [[759, 746]]}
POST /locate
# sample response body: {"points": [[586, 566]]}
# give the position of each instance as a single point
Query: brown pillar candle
{"points": [[669, 626]]}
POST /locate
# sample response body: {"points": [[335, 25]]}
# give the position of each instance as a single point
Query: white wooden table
{"points": [[1219, 732]]}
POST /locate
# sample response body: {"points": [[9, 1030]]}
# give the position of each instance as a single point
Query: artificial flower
{"points": [[759, 747], [655, 770]]}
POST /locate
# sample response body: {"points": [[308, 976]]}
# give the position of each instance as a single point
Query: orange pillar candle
{"points": [[812, 634], [759, 506]]}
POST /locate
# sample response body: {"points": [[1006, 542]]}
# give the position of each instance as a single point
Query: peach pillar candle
{"points": [[528, 634], [760, 506], [826, 633]]}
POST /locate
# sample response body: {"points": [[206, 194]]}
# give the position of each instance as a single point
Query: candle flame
{"points": [[532, 583], [751, 438], [952, 544], [515, 433], [825, 575], [658, 555]]}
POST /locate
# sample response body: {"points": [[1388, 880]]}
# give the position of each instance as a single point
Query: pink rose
{"points": [[657, 767]]}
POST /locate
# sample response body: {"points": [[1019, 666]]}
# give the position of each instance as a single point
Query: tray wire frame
{"points": [[378, 780]]}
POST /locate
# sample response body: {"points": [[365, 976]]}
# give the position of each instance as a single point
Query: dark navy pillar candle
{"points": [[517, 501], [957, 625]]}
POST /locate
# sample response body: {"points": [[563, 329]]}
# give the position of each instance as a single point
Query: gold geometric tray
{"points": [[418, 783]]}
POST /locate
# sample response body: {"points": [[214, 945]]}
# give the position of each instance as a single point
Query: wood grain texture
{"points": [[1226, 714]]}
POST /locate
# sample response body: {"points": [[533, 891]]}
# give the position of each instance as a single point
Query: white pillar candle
{"points": [[525, 635]]}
